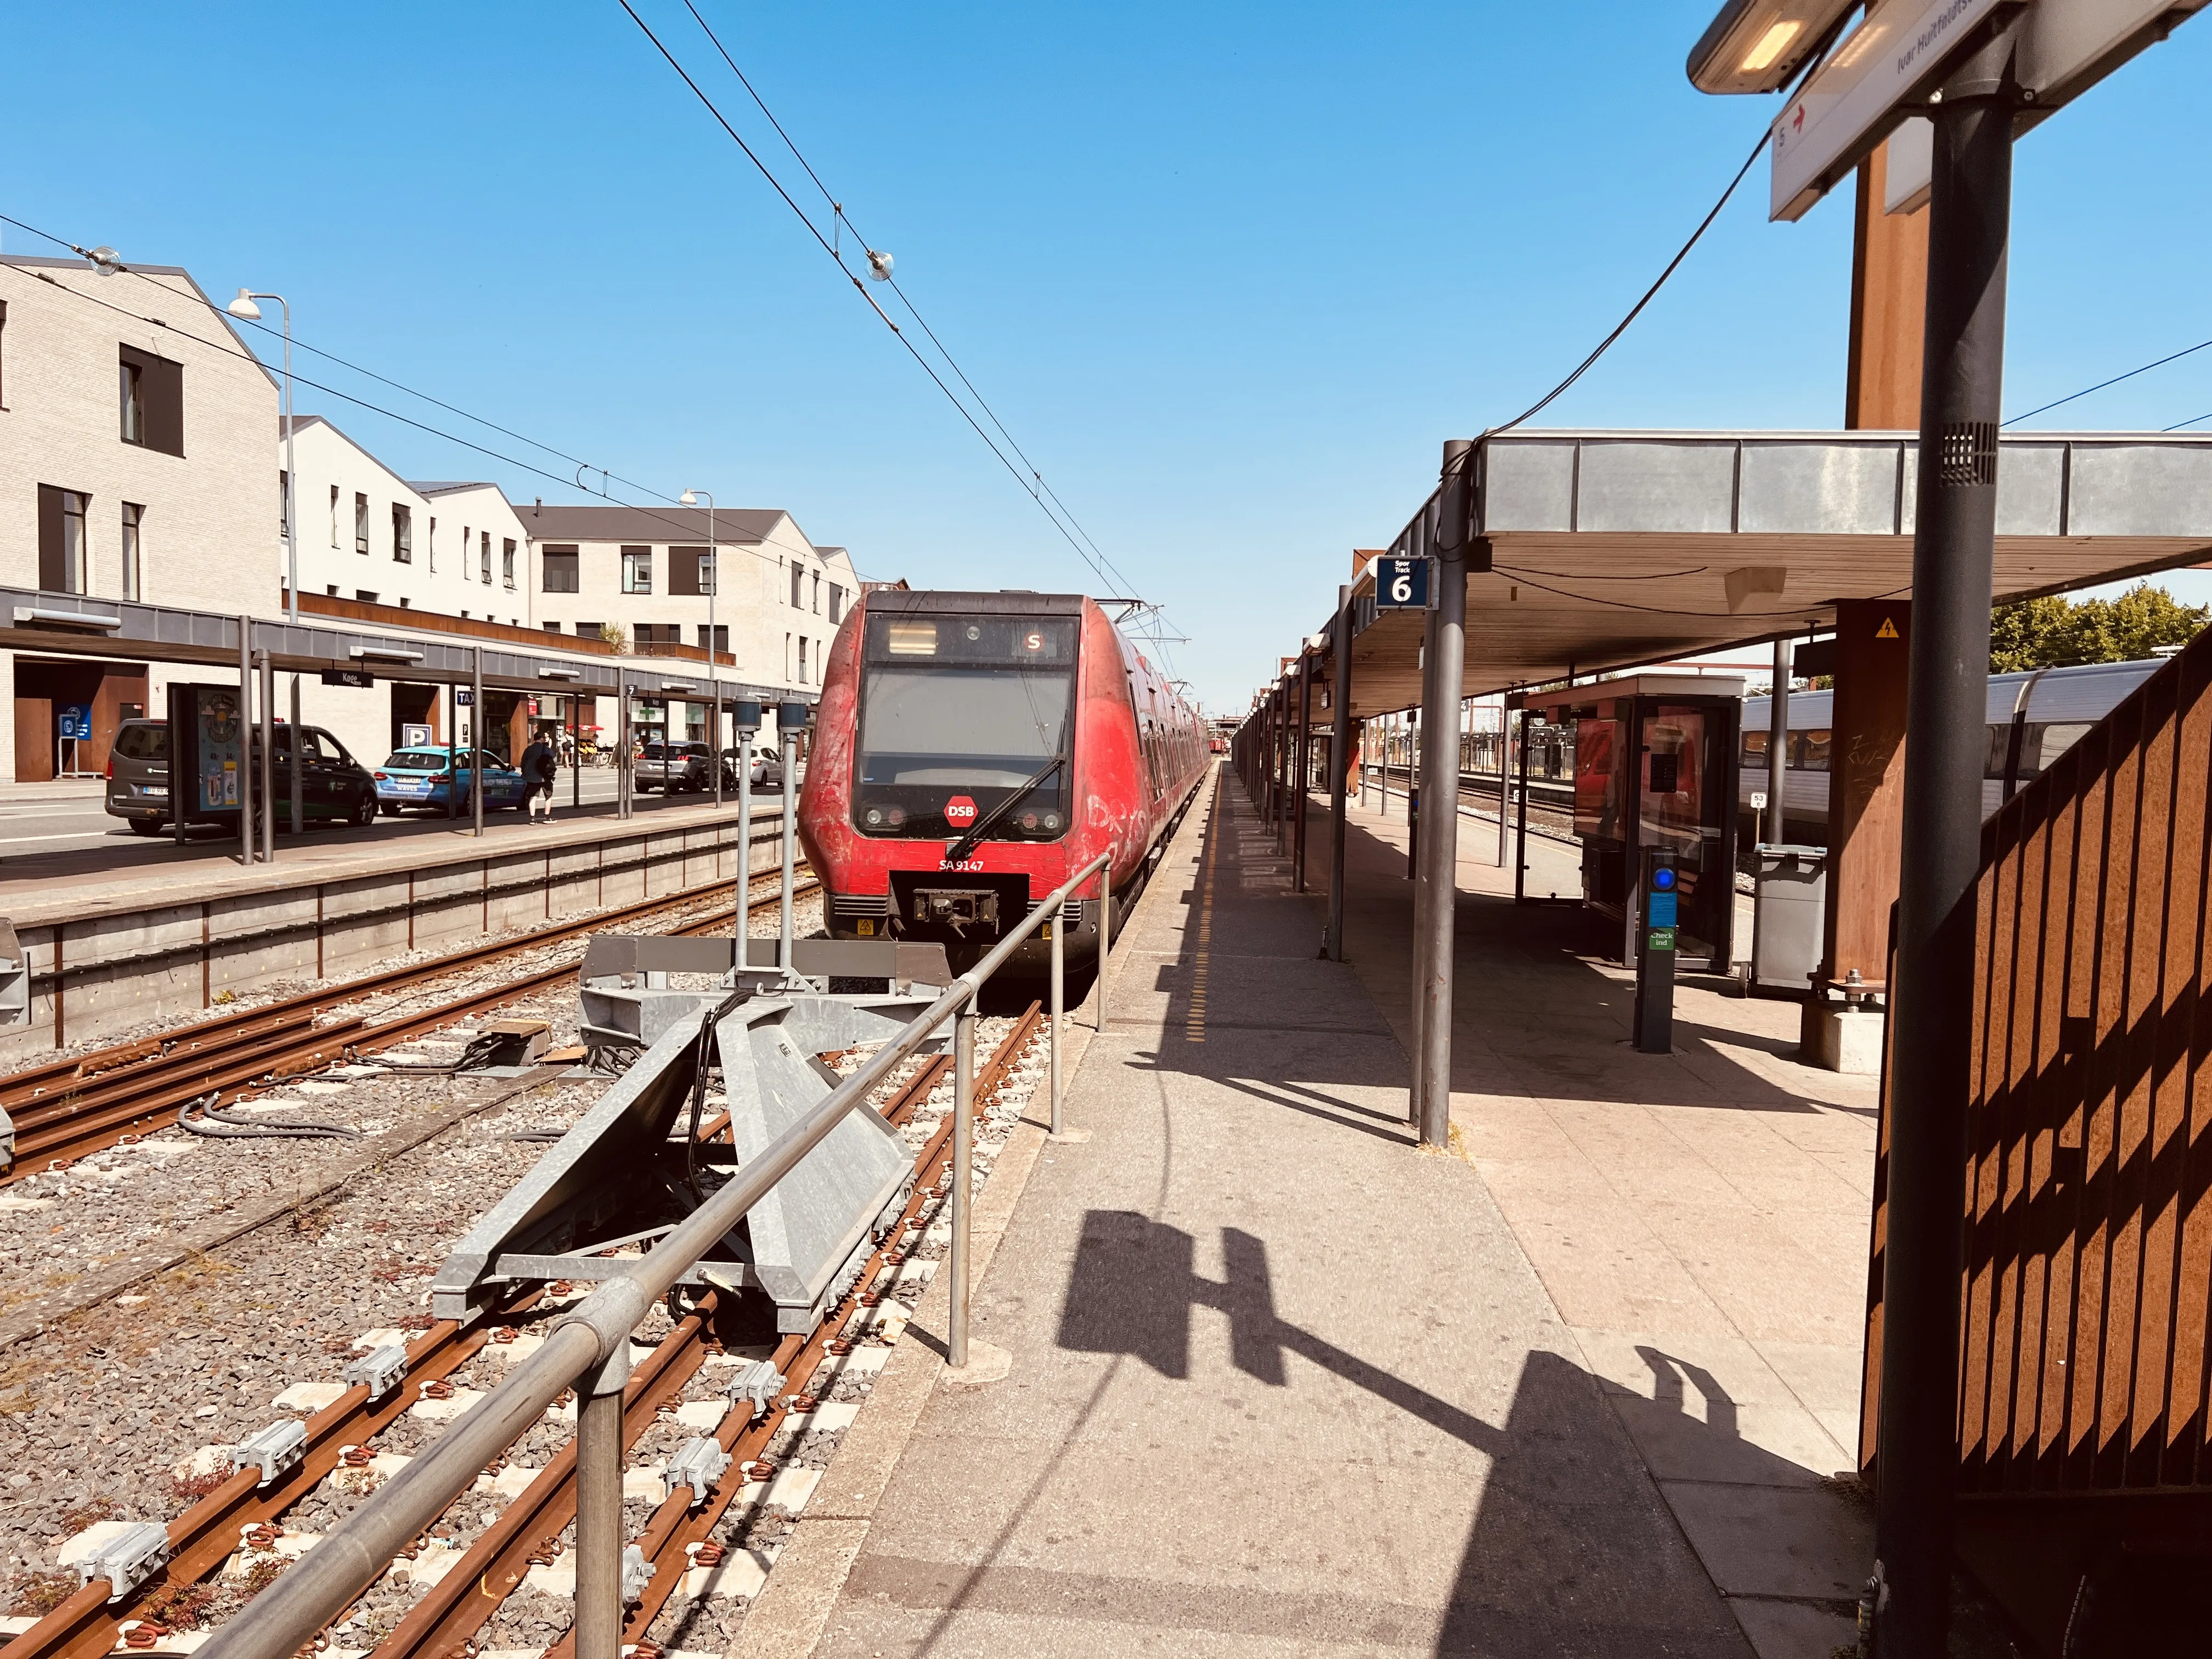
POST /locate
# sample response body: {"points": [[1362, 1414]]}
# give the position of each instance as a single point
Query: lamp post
{"points": [[244, 308], [690, 498]]}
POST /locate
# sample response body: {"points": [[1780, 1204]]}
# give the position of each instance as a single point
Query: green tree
{"points": [[2058, 632]]}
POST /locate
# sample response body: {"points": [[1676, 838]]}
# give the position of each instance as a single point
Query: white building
{"points": [[134, 464], [646, 573], [368, 536]]}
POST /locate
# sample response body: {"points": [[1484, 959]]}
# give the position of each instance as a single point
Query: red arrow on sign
{"points": [[960, 811]]}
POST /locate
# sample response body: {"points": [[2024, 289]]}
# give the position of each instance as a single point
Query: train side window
{"points": [[1993, 763], [1809, 751], [2056, 739], [1754, 748]]}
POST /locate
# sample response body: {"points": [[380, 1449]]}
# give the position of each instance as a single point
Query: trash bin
{"points": [[1789, 911]]}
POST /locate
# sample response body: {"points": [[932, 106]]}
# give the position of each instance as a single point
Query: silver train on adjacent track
{"points": [[2048, 708]]}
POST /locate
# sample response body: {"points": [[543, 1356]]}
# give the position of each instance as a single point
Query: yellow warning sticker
{"points": [[1887, 631], [866, 927]]}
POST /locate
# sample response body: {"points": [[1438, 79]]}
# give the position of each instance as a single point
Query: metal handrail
{"points": [[588, 1349]]}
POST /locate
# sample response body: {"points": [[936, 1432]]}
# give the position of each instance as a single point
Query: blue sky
{"points": [[1229, 273]]}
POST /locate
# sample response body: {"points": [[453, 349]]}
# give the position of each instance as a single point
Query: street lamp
{"points": [[1758, 46], [690, 498], [244, 309]]}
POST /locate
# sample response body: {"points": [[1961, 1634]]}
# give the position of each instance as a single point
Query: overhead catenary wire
{"points": [[2171, 357], [688, 531], [890, 280], [1099, 566]]}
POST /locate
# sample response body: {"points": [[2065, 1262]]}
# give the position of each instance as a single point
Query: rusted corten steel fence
{"points": [[2088, 1137]]}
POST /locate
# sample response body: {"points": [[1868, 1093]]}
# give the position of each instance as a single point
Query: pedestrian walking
{"points": [[538, 778]]}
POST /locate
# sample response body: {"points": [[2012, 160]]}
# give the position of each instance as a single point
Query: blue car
{"points": [[419, 777]]}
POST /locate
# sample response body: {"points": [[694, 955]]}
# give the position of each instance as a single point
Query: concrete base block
{"points": [[1845, 1039]]}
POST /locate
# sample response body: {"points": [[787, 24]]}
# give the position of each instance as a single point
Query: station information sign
{"points": [[1402, 584], [1881, 74]]}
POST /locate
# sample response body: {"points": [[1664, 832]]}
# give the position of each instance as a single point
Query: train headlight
{"points": [[1052, 820], [1028, 820], [875, 817], [896, 817], [974, 633]]}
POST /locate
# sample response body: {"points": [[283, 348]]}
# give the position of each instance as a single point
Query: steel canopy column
{"points": [[475, 740], [1931, 1014], [267, 783], [1339, 756], [1439, 886], [1301, 769], [1777, 745], [245, 745]]}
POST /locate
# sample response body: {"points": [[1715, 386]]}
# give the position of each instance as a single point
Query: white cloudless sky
{"points": [[1229, 273]]}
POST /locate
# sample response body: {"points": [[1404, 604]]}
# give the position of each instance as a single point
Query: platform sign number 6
{"points": [[1401, 584]]}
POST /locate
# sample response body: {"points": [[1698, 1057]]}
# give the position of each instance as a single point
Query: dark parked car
{"points": [[334, 787]]}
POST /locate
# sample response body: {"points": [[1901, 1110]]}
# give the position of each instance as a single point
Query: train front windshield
{"points": [[958, 713]]}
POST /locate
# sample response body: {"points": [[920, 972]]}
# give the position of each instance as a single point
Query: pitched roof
{"points": [[647, 523]]}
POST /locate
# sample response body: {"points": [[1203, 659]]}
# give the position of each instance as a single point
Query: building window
{"points": [[637, 570], [484, 556], [403, 533], [360, 522], [134, 405], [330, 589], [591, 630], [334, 515], [802, 659], [284, 505], [464, 552], [134, 516], [364, 595], [561, 575], [3, 360], [506, 560], [837, 603], [798, 588], [721, 638], [434, 546], [153, 400], [61, 539], [818, 593], [690, 570], [552, 628]]}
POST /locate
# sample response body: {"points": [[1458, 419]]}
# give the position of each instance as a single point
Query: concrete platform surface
{"points": [[1280, 1383], [1700, 1219]]}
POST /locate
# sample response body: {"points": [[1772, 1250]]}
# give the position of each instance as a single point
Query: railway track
{"points": [[66, 1109], [241, 1514]]}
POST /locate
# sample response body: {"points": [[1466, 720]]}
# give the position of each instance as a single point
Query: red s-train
{"points": [[1028, 714]]}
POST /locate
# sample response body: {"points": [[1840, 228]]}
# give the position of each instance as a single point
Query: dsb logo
{"points": [[960, 812]]}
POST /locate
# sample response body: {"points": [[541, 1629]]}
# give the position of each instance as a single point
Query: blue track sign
{"points": [[75, 720], [1401, 584]]}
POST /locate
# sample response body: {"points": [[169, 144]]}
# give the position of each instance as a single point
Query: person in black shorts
{"points": [[538, 778]]}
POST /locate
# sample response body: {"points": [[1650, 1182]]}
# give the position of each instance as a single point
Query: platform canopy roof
{"points": [[70, 624], [1614, 549]]}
